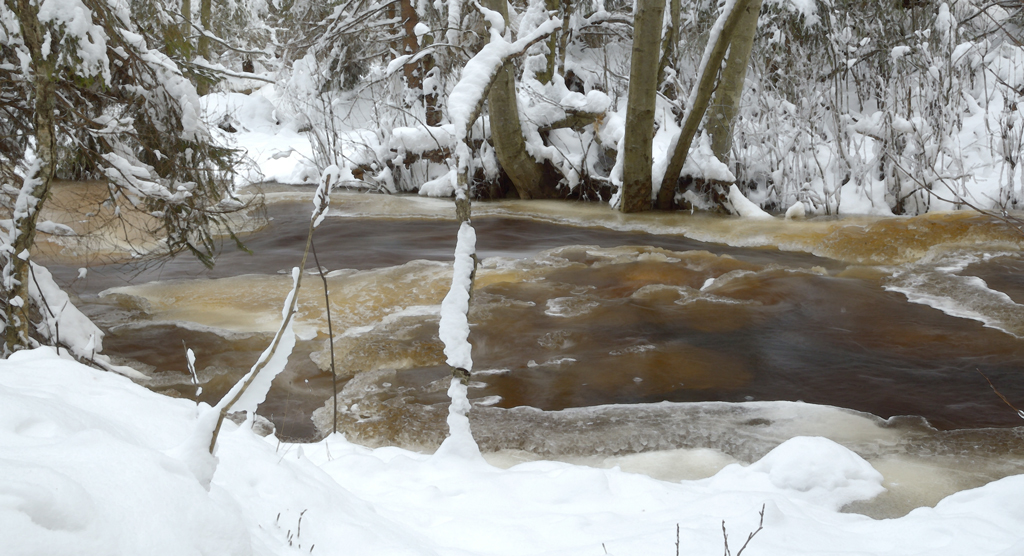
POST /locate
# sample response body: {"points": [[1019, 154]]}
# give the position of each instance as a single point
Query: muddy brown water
{"points": [[576, 307], [792, 328]]}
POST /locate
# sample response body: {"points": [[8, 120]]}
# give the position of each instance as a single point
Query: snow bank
{"points": [[813, 469], [84, 472], [270, 137], [87, 471], [743, 206]]}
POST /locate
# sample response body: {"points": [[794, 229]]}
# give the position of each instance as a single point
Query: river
{"points": [[688, 341]]}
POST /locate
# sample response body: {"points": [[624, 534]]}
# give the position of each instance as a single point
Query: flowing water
{"points": [[669, 343]]}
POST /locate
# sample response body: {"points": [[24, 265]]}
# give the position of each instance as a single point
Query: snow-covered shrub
{"points": [[855, 107], [344, 69], [81, 74], [850, 105]]}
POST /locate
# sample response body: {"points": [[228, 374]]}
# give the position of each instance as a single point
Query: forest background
{"points": [[808, 107]]}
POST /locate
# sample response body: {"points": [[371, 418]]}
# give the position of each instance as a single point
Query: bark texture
{"points": [[705, 87], [722, 112], [643, 89], [410, 45], [669, 48], [527, 175], [203, 50], [431, 82], [552, 44]]}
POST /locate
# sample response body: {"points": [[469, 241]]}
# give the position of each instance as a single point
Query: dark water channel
{"points": [[578, 328]]}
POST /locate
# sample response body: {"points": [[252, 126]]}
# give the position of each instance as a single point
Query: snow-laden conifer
{"points": [[84, 88]]}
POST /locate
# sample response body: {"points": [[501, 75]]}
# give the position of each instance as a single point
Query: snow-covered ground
{"points": [[90, 465]]}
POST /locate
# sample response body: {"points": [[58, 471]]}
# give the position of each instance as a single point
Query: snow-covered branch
{"points": [[466, 100]]}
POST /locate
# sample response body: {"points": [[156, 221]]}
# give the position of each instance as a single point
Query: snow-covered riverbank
{"points": [[88, 467]]}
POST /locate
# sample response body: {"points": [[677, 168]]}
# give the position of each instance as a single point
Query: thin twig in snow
{"points": [[725, 535]]}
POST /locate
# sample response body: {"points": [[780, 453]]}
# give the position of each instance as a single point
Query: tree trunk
{"points": [[700, 97], [643, 89], [552, 44], [178, 37], [203, 50], [723, 110], [431, 84], [526, 174], [186, 21], [36, 187], [563, 35], [410, 45], [669, 46]]}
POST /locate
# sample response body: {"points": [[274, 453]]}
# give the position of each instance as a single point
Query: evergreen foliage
{"points": [[88, 97]]}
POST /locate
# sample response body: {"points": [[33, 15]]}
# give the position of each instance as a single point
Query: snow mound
{"points": [[813, 469], [84, 457], [796, 212], [83, 476], [744, 207]]}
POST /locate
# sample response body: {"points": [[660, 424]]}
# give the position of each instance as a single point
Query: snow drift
{"points": [[87, 470]]}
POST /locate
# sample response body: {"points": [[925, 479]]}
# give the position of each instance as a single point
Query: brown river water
{"points": [[603, 338]]}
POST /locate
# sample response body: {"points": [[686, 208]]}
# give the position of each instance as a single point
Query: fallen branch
{"points": [[574, 119]]}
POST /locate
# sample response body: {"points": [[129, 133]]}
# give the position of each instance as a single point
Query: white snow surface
{"points": [[270, 137], [745, 207], [88, 468], [454, 325]]}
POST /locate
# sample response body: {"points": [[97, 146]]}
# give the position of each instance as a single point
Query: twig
{"points": [[1019, 412], [760, 525], [330, 334], [725, 535]]}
